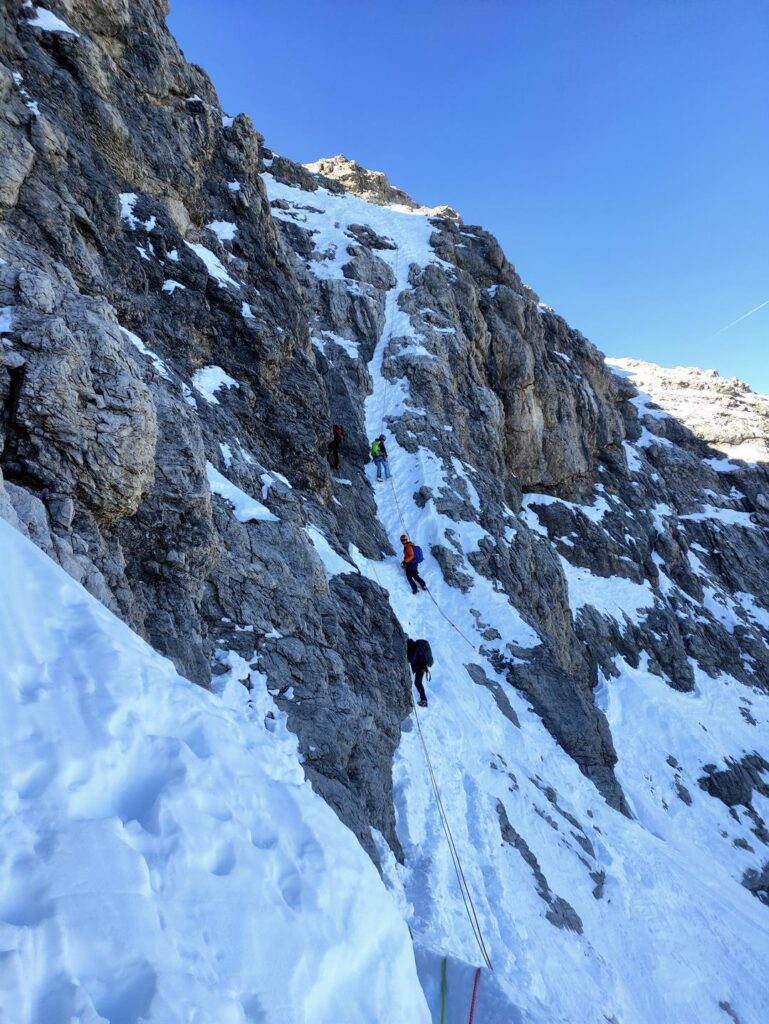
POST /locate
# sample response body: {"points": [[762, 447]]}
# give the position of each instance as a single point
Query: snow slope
{"points": [[589, 916], [161, 857]]}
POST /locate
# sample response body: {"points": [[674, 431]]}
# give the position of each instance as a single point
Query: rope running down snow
{"points": [[464, 889], [462, 881], [475, 994], [453, 626], [443, 991]]}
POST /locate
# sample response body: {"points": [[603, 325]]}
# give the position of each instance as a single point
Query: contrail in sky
{"points": [[744, 316]]}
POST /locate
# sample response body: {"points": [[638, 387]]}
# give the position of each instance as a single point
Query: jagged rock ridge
{"points": [[371, 185], [722, 412]]}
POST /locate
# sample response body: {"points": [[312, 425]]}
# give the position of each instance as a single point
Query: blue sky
{"points": [[617, 148]]}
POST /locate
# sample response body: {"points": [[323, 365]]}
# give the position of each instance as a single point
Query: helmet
{"points": [[381, 437], [404, 537]]}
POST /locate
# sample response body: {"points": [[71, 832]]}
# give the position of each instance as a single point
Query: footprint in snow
{"points": [[290, 885], [221, 860], [24, 901], [31, 783], [263, 839]]}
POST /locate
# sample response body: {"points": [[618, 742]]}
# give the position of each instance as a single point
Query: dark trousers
{"points": [[412, 575], [333, 453], [419, 674]]}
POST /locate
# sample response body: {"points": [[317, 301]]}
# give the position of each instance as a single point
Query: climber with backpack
{"points": [[412, 557], [379, 455], [334, 445], [420, 657]]}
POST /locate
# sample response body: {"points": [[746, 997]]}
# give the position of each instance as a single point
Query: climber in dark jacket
{"points": [[334, 445], [420, 658]]}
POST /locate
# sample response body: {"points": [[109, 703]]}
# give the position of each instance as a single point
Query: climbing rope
{"points": [[398, 504], [475, 994], [452, 624], [464, 889], [443, 991], [444, 988]]}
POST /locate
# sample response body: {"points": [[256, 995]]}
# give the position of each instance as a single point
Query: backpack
{"points": [[375, 448], [423, 654], [338, 432], [418, 556]]}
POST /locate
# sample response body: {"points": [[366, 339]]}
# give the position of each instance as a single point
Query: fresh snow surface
{"points": [[226, 454], [163, 859], [472, 494], [633, 458], [615, 596], [209, 379], [245, 508], [30, 104], [49, 22], [350, 347], [6, 318], [641, 401], [214, 265], [594, 512], [137, 343], [170, 286], [246, 312], [333, 563], [269, 478], [233, 186], [722, 465], [647, 439], [223, 229], [674, 933], [754, 611], [728, 516], [128, 201]]}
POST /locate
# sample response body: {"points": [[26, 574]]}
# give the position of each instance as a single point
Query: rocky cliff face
{"points": [[184, 314]]}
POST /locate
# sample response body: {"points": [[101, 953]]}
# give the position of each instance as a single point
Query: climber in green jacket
{"points": [[379, 455]]}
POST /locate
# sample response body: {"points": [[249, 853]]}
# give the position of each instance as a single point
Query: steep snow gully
{"points": [[183, 315], [655, 927]]}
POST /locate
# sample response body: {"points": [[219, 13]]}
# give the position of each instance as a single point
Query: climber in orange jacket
{"points": [[412, 556]]}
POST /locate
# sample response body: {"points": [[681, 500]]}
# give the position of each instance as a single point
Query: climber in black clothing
{"points": [[420, 658], [334, 445]]}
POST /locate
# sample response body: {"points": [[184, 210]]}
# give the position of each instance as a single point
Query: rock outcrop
{"points": [[372, 186], [722, 412]]}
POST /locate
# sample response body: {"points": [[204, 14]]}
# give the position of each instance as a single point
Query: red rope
{"points": [[475, 993]]}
